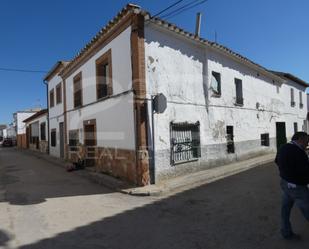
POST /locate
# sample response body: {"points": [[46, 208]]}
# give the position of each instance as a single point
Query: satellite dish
{"points": [[159, 103]]}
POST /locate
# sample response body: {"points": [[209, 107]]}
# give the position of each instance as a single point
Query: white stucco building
{"points": [[20, 127], [220, 106], [56, 110], [36, 131]]}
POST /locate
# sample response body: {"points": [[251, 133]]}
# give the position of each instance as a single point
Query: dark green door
{"points": [[280, 134]]}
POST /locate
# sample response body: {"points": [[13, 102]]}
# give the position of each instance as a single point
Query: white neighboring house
{"points": [[56, 110], [36, 131], [2, 133], [220, 106], [20, 128]]}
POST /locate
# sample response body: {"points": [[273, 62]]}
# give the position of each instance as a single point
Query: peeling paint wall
{"points": [[180, 69]]}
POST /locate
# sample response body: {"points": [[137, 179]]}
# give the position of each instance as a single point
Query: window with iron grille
{"points": [[230, 139], [265, 139], [185, 142]]}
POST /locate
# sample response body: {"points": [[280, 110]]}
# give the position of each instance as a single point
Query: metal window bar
{"points": [[185, 142]]}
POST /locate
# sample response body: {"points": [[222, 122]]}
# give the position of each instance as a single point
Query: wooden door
{"points": [[280, 134]]}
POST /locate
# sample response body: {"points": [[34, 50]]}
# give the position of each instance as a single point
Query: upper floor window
{"points": [[239, 94], [301, 105], [215, 83], [58, 94], [52, 98], [104, 75], [292, 97], [78, 91]]}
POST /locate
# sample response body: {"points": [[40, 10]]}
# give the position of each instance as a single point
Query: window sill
{"points": [[77, 108], [214, 95], [186, 161], [103, 98], [238, 104]]}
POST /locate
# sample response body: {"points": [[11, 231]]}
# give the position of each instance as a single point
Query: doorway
{"points": [[61, 135], [280, 134], [90, 142]]}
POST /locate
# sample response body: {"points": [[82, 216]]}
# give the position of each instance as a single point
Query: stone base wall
{"points": [[119, 163], [212, 156], [43, 146]]}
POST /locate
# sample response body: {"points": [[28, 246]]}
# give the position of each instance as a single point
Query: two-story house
{"points": [[217, 105], [56, 98]]}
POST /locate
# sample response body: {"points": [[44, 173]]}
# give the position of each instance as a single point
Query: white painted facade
{"points": [[55, 114], [34, 127], [114, 116], [181, 69], [19, 118]]}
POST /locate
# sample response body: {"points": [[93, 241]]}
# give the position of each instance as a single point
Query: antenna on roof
{"points": [[198, 24], [216, 37]]}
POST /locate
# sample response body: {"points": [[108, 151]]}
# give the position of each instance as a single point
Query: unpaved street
{"points": [[42, 206]]}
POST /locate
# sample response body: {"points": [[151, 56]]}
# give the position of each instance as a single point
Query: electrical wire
{"points": [[21, 70], [183, 9], [169, 7]]}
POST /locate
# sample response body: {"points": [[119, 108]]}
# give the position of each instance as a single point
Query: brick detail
{"points": [[119, 163], [140, 104], [22, 141]]}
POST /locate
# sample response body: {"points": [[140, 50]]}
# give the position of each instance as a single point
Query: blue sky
{"points": [[35, 34]]}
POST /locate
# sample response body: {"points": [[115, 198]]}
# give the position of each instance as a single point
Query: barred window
{"points": [[265, 139], [185, 142]]}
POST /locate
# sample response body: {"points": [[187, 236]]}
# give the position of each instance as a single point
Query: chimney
{"points": [[198, 24]]}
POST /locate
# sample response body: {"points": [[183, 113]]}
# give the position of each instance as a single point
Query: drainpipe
{"points": [[47, 106]]}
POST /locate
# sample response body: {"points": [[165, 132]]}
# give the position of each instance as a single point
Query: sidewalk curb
{"points": [[173, 185], [211, 175]]}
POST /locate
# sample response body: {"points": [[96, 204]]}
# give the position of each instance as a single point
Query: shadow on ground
{"points": [[27, 180], [239, 212], [4, 238]]}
